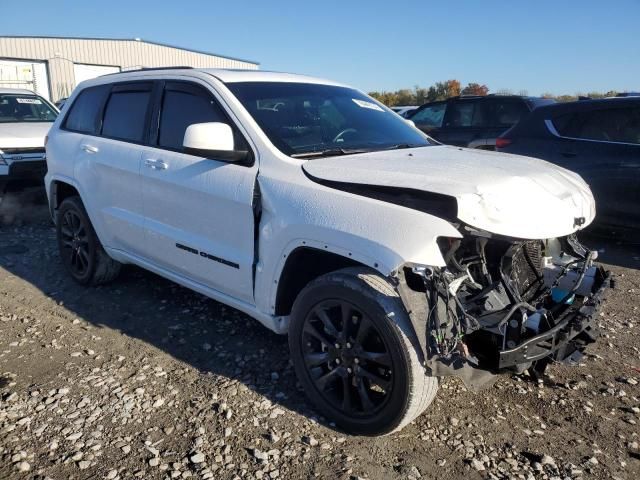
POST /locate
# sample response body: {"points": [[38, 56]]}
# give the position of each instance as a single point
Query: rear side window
{"points": [[509, 113], [83, 116], [125, 114], [466, 114], [184, 106], [605, 125], [431, 116]]}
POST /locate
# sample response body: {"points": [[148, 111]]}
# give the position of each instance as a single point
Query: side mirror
{"points": [[212, 140], [410, 122]]}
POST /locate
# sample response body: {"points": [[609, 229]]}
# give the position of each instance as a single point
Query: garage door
{"points": [[84, 72], [24, 74]]}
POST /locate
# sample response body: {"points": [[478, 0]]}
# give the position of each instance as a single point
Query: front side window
{"points": [[18, 108], [431, 116], [125, 115], [314, 120], [84, 113], [181, 108], [605, 125]]}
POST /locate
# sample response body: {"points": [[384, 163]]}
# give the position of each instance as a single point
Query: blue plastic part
{"points": [[557, 294]]}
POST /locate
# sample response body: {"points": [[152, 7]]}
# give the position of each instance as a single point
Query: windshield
{"points": [[25, 108], [308, 120]]}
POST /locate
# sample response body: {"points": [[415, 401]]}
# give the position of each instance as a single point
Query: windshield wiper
{"points": [[400, 146], [331, 152]]}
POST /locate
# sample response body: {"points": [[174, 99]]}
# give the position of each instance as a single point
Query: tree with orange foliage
{"points": [[475, 89]]}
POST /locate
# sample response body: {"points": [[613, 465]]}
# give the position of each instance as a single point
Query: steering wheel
{"points": [[338, 137]]}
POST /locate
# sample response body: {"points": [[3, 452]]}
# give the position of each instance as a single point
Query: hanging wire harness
{"points": [[506, 304]]}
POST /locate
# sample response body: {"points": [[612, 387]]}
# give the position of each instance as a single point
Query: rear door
{"points": [[502, 114], [108, 160], [464, 123], [199, 211], [603, 146]]}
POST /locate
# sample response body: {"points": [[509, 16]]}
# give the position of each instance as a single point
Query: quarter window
{"points": [[83, 116], [125, 115], [181, 108], [605, 125]]}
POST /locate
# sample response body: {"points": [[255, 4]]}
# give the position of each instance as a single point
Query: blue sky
{"points": [[542, 46]]}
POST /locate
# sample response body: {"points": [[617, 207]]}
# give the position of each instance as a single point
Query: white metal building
{"points": [[53, 66]]}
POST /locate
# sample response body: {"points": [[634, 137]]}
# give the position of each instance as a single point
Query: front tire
{"points": [[80, 249], [350, 344]]}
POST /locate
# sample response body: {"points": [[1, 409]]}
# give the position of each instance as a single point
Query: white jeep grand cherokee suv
{"points": [[25, 119], [388, 259]]}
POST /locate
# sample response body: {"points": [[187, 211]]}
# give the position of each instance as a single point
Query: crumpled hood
{"points": [[504, 194], [23, 135]]}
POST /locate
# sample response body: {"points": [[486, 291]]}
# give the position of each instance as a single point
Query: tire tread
{"points": [[423, 388]]}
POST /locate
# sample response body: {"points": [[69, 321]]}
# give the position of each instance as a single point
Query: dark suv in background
{"points": [[598, 139], [473, 121]]}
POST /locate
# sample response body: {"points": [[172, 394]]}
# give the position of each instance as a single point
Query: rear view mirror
{"points": [[212, 140]]}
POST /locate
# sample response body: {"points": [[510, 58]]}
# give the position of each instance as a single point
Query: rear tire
{"points": [[369, 383], [80, 249]]}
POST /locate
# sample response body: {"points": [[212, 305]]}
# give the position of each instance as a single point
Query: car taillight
{"points": [[502, 142]]}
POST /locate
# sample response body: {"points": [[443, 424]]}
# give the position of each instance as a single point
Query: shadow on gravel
{"points": [[615, 246], [213, 338]]}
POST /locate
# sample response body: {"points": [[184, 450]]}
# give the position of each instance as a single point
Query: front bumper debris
{"points": [[573, 332]]}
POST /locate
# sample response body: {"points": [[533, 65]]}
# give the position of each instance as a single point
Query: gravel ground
{"points": [[145, 379]]}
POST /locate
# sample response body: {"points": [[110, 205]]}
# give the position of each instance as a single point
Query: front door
{"points": [[429, 118], [199, 211]]}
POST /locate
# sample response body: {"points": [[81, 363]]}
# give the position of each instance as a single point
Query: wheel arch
{"points": [[60, 189], [303, 265], [306, 263]]}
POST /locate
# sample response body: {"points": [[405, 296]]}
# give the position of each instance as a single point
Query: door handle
{"points": [[156, 164], [89, 148]]}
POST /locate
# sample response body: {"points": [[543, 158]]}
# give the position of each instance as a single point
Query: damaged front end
{"points": [[502, 304]]}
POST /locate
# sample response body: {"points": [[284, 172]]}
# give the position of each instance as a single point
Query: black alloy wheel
{"points": [[74, 243], [351, 347], [347, 358], [80, 249]]}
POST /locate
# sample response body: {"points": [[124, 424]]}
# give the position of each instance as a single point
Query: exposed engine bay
{"points": [[504, 305]]}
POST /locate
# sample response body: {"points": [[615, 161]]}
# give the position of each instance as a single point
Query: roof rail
{"points": [[147, 69], [144, 69]]}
